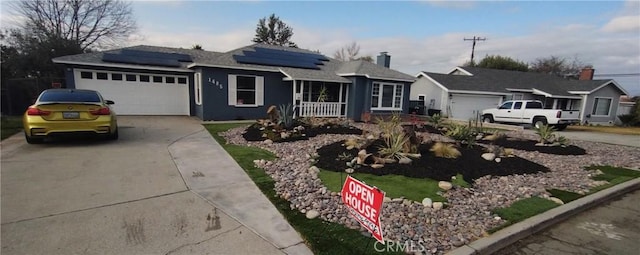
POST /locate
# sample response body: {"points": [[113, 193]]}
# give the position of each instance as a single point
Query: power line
{"points": [[473, 47]]}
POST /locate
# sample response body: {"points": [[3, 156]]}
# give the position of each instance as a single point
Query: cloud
{"points": [[623, 24]]}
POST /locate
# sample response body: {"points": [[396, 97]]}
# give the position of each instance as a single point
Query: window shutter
{"points": [[260, 90], [231, 89]]}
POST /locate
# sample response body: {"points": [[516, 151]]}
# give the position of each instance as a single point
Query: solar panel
{"points": [[274, 57], [162, 55], [292, 53], [275, 62], [284, 57], [128, 59]]}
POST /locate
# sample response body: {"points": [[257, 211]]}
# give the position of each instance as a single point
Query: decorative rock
{"points": [[488, 156], [427, 202], [445, 185], [284, 135], [437, 205], [399, 199], [405, 160], [376, 166], [386, 200], [312, 214], [556, 200], [497, 218], [498, 160], [314, 169], [268, 141], [406, 202], [349, 170]]}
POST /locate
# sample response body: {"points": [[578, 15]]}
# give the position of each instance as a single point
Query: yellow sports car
{"points": [[69, 111]]}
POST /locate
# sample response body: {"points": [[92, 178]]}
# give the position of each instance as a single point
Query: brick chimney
{"points": [[586, 74], [384, 59]]}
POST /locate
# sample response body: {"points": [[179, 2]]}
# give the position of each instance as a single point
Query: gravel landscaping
{"points": [[465, 217]]}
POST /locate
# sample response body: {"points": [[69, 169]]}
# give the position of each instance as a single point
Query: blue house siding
{"points": [[215, 93], [360, 97]]}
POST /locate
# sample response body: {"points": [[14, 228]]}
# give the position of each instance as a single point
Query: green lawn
{"points": [[10, 125], [523, 209], [394, 186], [321, 237]]}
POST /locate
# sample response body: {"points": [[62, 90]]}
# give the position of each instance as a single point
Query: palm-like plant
{"points": [[546, 134]]}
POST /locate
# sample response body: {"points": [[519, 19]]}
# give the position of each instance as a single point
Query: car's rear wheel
{"points": [[113, 136], [33, 140], [539, 122]]}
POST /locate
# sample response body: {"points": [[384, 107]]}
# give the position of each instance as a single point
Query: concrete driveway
{"points": [[113, 197]]}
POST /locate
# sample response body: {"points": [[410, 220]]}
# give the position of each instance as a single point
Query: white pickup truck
{"points": [[530, 112]]}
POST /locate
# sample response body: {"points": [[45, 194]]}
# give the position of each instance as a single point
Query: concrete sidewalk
{"points": [[209, 171]]}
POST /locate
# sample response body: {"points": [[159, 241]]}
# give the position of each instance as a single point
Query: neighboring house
{"points": [[239, 84], [465, 91]]}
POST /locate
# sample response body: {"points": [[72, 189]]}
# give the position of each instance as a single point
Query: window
{"points": [[197, 91], [182, 80], [518, 105], [86, 75], [131, 77], [517, 96], [171, 80], [601, 107], [102, 76], [144, 78], [506, 105], [534, 105], [116, 76], [386, 96], [157, 79], [246, 90]]}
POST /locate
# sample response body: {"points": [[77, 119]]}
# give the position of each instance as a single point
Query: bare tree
{"points": [[87, 23], [559, 66], [350, 52]]}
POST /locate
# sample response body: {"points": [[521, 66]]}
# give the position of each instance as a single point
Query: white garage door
{"points": [[138, 93], [464, 107]]}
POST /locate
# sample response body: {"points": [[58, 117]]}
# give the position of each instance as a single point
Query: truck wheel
{"points": [[487, 119], [561, 127], [539, 122]]}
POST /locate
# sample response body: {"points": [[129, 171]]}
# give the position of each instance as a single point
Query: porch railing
{"points": [[321, 109]]}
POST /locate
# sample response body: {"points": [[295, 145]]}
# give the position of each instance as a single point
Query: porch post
{"points": [[340, 99], [294, 103], [346, 101], [555, 103]]}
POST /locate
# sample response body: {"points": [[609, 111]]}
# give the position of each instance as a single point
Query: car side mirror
{"points": [[109, 102]]}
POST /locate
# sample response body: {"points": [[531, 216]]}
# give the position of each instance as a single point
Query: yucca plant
{"points": [[462, 134], [285, 115], [445, 150], [393, 145], [546, 134]]}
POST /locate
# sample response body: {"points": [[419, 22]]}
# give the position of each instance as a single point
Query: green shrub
{"points": [[436, 120], [546, 134], [629, 120]]}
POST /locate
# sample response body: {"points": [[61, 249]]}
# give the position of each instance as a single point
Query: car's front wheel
{"points": [[33, 140], [487, 119]]}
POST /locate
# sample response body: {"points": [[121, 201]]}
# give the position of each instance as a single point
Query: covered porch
{"points": [[320, 99]]}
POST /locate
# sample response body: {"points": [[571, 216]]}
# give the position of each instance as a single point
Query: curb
{"points": [[520, 230]]}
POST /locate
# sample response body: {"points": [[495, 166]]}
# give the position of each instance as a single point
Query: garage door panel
{"points": [[141, 98], [463, 106]]}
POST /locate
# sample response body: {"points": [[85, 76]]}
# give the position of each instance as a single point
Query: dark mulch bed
{"points": [[471, 165], [254, 134], [530, 145]]}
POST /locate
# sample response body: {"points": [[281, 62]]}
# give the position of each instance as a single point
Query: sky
{"points": [[419, 35]]}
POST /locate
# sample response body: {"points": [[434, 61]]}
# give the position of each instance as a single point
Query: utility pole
{"points": [[473, 48]]}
